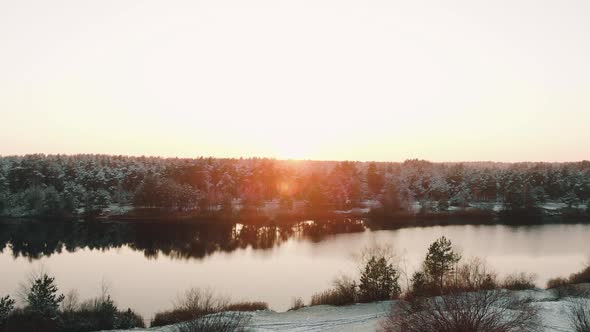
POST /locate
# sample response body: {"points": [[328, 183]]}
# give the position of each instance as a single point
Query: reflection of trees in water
{"points": [[316, 231], [33, 239]]}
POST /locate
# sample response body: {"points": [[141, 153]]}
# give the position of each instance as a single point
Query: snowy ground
{"points": [[365, 317]]}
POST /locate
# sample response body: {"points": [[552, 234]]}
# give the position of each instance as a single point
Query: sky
{"points": [[502, 80]]}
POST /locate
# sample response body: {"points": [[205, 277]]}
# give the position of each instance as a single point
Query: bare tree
{"points": [[579, 314], [483, 311]]}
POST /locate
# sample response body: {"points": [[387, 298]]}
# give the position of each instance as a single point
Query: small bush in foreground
{"points": [[344, 292], [100, 313], [329, 297], [218, 322], [519, 281], [563, 287], [556, 283], [196, 303], [246, 306], [474, 275], [482, 311], [579, 315], [20, 320], [6, 306], [580, 277], [297, 304]]}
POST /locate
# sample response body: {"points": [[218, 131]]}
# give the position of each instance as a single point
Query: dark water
{"points": [[147, 265]]}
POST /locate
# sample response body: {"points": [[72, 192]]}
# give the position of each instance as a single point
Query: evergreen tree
{"points": [[571, 199], [42, 298], [419, 283], [440, 260], [96, 201], [106, 314], [52, 202], [379, 281], [375, 180]]}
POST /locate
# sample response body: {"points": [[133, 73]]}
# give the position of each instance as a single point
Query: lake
{"points": [[147, 265]]}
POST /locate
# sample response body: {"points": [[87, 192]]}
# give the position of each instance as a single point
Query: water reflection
{"points": [[253, 262], [36, 239]]}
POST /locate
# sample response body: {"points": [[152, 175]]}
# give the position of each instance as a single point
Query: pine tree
{"points": [[440, 260], [379, 281], [42, 298], [419, 283]]}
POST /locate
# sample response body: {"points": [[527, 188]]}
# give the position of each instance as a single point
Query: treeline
{"points": [[91, 185]]}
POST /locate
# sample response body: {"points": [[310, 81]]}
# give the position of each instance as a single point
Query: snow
{"points": [[358, 317], [553, 205], [553, 314]]}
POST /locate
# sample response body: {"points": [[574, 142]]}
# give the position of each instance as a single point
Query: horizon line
{"points": [[290, 159]]}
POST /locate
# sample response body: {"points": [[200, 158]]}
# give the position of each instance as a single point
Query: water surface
{"points": [[147, 265]]}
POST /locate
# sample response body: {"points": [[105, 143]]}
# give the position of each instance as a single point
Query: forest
{"points": [[95, 186]]}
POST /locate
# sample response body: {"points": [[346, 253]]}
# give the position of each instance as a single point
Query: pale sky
{"points": [[357, 80]]}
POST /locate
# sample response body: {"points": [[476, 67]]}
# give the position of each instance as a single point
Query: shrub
{"points": [[246, 306], [196, 303], [344, 292], [420, 285], [329, 297], [129, 319], [6, 306], [440, 274], [519, 281], [218, 322], [200, 301], [471, 276], [100, 313], [172, 317], [580, 277], [474, 275], [379, 281], [568, 287], [481, 311], [579, 315], [21, 320], [297, 304], [556, 283], [70, 302], [562, 288]]}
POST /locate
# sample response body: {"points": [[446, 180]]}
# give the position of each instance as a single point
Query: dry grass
{"points": [[580, 277], [297, 304], [246, 306], [519, 281], [344, 292], [196, 303], [218, 322]]}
